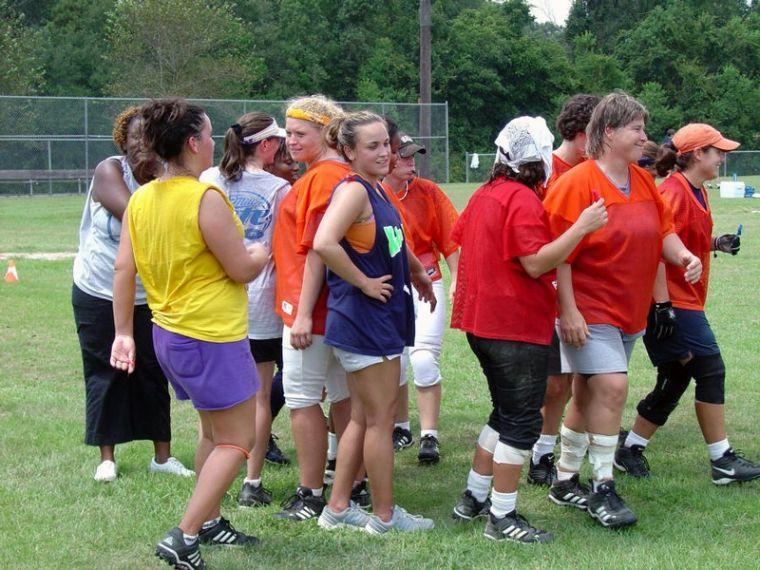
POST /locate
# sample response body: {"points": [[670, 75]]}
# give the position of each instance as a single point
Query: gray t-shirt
{"points": [[256, 197]]}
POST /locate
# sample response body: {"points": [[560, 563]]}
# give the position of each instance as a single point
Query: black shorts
{"points": [[267, 350], [693, 336], [555, 362]]}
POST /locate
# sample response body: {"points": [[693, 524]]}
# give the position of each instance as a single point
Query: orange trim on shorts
{"points": [[246, 454]]}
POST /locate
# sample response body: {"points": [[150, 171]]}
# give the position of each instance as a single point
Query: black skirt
{"points": [[119, 407]]}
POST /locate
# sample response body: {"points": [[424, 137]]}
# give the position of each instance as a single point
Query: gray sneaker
{"points": [[353, 517], [400, 521]]}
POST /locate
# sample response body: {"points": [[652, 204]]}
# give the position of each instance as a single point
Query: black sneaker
{"points": [[360, 495], [428, 453], [301, 506], [224, 534], [329, 472], [569, 493], [631, 460], [733, 468], [514, 527], [402, 438], [173, 550], [469, 508], [274, 453], [606, 506], [544, 472], [251, 496]]}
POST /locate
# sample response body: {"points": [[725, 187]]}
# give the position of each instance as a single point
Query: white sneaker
{"points": [[172, 466], [106, 471]]}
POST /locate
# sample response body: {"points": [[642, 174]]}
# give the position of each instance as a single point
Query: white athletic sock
{"points": [[433, 432], [332, 446], [544, 445], [717, 449], [212, 522], [635, 439], [317, 492], [189, 538], [254, 482], [359, 482], [564, 475], [404, 425], [601, 453], [502, 503], [479, 485]]}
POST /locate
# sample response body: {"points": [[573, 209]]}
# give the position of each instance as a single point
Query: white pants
{"points": [[425, 355], [306, 372]]}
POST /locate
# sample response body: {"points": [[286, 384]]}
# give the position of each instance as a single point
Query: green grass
{"points": [[54, 515]]}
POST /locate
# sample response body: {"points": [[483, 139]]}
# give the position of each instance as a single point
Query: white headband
{"points": [[271, 131], [523, 140]]}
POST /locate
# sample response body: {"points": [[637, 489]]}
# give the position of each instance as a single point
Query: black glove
{"points": [[727, 243], [664, 320]]}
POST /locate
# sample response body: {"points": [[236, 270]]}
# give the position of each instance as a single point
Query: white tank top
{"points": [[99, 234]]}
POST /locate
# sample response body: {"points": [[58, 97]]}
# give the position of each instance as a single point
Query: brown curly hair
{"points": [[121, 127]]}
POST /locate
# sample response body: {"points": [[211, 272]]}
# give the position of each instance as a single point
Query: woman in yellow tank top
{"points": [[184, 240]]}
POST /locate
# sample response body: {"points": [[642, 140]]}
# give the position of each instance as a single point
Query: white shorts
{"points": [[353, 362], [429, 327], [607, 351], [306, 372]]}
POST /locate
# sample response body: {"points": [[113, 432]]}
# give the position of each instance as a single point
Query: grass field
{"points": [[55, 516]]}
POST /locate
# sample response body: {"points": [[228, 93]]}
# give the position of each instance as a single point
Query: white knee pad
{"points": [[404, 376], [488, 439], [425, 364], [510, 455], [573, 447], [601, 452]]}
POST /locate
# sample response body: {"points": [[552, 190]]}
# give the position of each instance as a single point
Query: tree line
{"points": [[687, 60]]}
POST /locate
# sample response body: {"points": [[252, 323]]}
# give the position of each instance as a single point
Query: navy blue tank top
{"points": [[357, 323]]}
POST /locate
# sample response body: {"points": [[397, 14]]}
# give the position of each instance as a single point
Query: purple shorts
{"points": [[213, 375]]}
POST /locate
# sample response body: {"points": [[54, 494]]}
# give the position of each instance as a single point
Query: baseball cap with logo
{"points": [[700, 135], [408, 147]]}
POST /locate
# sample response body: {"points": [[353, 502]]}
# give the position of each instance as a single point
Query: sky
{"points": [[554, 11]]}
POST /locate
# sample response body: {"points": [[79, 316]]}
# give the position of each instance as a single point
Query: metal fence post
{"points": [[446, 126], [86, 144], [50, 168], [466, 168]]}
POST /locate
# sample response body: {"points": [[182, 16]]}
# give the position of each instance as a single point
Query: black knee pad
{"points": [[672, 381], [709, 373]]}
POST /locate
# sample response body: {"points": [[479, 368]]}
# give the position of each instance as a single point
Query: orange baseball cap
{"points": [[700, 135]]}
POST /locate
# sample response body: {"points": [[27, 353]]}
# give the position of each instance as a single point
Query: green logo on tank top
{"points": [[395, 239]]}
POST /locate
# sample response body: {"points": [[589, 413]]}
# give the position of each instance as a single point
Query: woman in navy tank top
{"points": [[369, 322]]}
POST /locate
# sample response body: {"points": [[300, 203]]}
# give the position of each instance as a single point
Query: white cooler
{"points": [[732, 189]]}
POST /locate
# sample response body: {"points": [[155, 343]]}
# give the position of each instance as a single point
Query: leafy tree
{"points": [[661, 115], [20, 68], [182, 47], [596, 72]]}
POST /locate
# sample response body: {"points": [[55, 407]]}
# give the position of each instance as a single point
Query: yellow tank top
{"points": [[188, 291]]}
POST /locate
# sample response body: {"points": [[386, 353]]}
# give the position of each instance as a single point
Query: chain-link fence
{"points": [[52, 144], [477, 165]]}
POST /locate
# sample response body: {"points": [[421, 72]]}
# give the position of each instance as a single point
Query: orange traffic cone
{"points": [[11, 276]]}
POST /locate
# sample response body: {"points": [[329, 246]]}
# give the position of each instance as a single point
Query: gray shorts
{"points": [[607, 350]]}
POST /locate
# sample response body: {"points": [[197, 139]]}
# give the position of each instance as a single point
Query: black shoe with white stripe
{"points": [[606, 506], [429, 453], [733, 468], [361, 496], [174, 551], [301, 506], [402, 438], [224, 534], [544, 472], [514, 527], [569, 493], [469, 508]]}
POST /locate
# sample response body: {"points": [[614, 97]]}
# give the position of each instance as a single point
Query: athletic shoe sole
{"points": [[329, 526], [459, 517], [729, 480], [624, 470], [172, 558], [428, 460], [621, 524], [512, 540], [403, 446]]}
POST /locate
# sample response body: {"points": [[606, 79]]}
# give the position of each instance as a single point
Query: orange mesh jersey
{"points": [[693, 223], [613, 268], [429, 217], [299, 216]]}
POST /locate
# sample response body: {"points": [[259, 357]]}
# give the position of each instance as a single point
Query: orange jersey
{"points": [[693, 223], [559, 167], [613, 268], [299, 216], [430, 216]]}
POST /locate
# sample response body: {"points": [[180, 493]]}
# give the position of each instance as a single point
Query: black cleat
{"points": [[329, 472], [631, 460], [361, 496], [569, 493], [301, 506], [274, 453], [544, 472], [251, 496], [174, 551], [606, 506], [224, 534], [428, 453], [469, 508], [402, 438], [514, 527], [733, 468]]}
